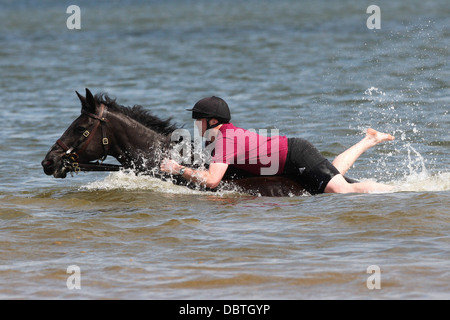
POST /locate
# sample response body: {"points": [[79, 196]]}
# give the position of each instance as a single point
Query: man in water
{"points": [[258, 154]]}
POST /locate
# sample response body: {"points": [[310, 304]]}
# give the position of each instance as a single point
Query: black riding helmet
{"points": [[211, 108]]}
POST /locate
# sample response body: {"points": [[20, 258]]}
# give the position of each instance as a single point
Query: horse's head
{"points": [[82, 142]]}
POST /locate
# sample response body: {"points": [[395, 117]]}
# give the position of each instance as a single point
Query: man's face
{"points": [[201, 126]]}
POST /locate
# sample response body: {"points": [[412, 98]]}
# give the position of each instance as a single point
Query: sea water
{"points": [[310, 69]]}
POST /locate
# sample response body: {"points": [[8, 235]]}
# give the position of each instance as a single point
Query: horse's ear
{"points": [[89, 102], [82, 99]]}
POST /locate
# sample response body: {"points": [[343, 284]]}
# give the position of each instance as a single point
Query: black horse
{"points": [[139, 141]]}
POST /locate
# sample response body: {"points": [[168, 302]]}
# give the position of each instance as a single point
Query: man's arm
{"points": [[209, 178]]}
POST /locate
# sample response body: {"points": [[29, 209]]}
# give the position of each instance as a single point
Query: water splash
{"points": [[130, 181], [417, 164], [397, 113], [401, 163], [418, 178], [422, 182]]}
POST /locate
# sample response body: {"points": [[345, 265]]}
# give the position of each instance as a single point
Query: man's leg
{"points": [[345, 160], [339, 185]]}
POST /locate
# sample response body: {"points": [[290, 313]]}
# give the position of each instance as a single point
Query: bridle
{"points": [[72, 154]]}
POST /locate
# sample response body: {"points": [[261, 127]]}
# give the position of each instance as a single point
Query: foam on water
{"points": [[419, 178], [423, 182], [130, 181], [415, 181]]}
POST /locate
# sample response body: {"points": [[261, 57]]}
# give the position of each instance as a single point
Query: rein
{"points": [[93, 166], [70, 159]]}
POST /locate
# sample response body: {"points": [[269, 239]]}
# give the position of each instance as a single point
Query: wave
{"points": [[130, 181], [424, 182], [418, 177]]}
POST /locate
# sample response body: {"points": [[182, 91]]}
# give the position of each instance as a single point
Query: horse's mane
{"points": [[138, 113]]}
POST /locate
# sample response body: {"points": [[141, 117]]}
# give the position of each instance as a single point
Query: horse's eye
{"points": [[80, 129]]}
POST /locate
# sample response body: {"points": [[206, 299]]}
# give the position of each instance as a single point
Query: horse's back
{"points": [[267, 186]]}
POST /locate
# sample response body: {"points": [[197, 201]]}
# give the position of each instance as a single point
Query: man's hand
{"points": [[209, 178], [170, 166]]}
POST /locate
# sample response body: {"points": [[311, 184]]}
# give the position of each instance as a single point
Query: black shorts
{"points": [[305, 163]]}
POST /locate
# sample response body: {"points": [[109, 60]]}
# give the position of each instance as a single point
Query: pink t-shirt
{"points": [[249, 151]]}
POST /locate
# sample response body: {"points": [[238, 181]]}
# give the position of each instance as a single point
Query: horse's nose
{"points": [[47, 164]]}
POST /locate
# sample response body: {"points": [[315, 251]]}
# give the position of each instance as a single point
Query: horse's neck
{"points": [[135, 145]]}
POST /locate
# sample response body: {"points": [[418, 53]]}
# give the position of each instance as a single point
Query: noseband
{"points": [[72, 154]]}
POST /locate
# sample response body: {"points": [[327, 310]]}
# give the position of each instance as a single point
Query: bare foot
{"points": [[377, 137], [346, 159]]}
